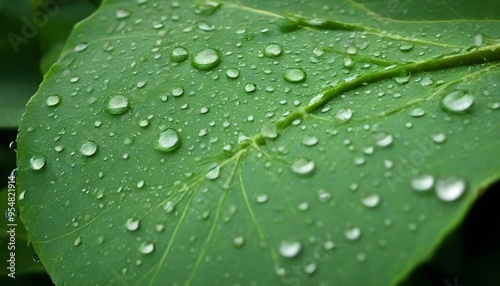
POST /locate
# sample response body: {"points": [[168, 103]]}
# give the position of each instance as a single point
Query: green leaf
{"points": [[258, 142]]}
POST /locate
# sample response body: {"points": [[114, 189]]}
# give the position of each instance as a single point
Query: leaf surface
{"points": [[257, 142]]}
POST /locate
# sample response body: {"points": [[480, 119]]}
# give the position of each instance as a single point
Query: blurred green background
{"points": [[32, 35]]}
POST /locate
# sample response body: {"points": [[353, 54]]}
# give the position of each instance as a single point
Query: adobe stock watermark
{"points": [[10, 215], [39, 19]]}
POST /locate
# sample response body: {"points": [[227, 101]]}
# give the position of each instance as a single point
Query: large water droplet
{"points": [[269, 131], [37, 162], [146, 247], [290, 249], [450, 189], [273, 50], [295, 75], [179, 54], [214, 173], [132, 224], [88, 148], [422, 182], [118, 104], [457, 101], [303, 167], [206, 59], [168, 141], [53, 100]]}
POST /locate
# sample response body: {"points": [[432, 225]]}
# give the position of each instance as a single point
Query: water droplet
{"points": [[352, 233], [78, 241], [53, 100], [233, 73], [371, 200], [494, 105], [324, 195], [290, 249], [426, 81], [422, 182], [88, 148], [457, 101], [384, 140], [37, 162], [132, 224], [179, 54], [450, 189], [310, 140], [295, 75], [206, 7], [22, 195], [36, 258], [269, 131], [206, 59], [118, 104], [146, 247], [250, 87], [81, 47], [238, 241], [177, 91], [438, 137], [303, 206], [168, 141], [417, 112], [273, 50], [214, 173], [303, 167], [328, 245], [406, 47], [121, 14], [343, 114], [262, 198], [310, 268]]}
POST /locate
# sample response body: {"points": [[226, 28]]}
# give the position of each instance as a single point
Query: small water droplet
{"points": [[457, 101], [371, 201], [250, 87], [353, 233], [177, 91], [168, 141], [118, 104], [310, 140], [303, 167], [310, 268], [324, 195], [36, 258], [262, 198], [37, 162], [206, 7], [406, 47], [121, 14], [88, 148], [132, 224], [78, 241], [273, 50], [238, 241], [422, 182], [179, 54], [53, 100], [438, 137], [384, 140], [146, 247], [417, 112], [295, 75], [450, 188], [206, 59], [81, 47], [343, 114], [233, 73], [290, 249]]}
